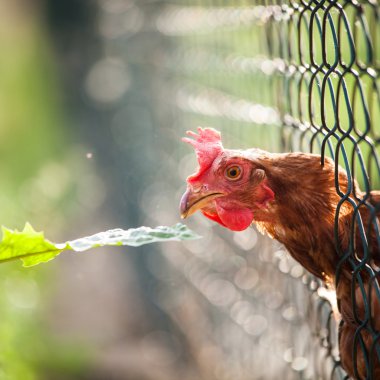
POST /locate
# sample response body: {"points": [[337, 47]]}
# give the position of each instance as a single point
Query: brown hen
{"points": [[294, 199]]}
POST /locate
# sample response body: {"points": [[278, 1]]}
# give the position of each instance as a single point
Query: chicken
{"points": [[293, 198]]}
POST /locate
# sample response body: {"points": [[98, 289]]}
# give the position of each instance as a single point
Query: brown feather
{"points": [[317, 213], [302, 217]]}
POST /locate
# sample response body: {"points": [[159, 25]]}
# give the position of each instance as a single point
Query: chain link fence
{"points": [[277, 75]]}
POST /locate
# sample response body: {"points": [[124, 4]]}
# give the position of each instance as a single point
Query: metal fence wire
{"points": [[308, 73], [280, 75]]}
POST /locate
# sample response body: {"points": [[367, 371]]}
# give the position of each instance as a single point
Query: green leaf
{"points": [[32, 247]]}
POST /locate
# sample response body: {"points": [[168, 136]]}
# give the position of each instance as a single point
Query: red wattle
{"points": [[213, 217], [235, 219]]}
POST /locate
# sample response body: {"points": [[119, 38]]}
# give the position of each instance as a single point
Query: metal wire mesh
{"points": [[329, 93], [310, 68], [282, 76]]}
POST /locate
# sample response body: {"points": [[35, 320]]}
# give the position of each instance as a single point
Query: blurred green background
{"points": [[94, 97]]}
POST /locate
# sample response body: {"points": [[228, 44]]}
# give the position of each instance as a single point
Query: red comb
{"points": [[207, 144]]}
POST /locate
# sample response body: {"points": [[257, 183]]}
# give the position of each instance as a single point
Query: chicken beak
{"points": [[194, 200]]}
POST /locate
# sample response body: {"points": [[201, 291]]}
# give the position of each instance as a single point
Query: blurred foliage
{"points": [[36, 185]]}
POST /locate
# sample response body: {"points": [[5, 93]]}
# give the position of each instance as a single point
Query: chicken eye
{"points": [[233, 172]]}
